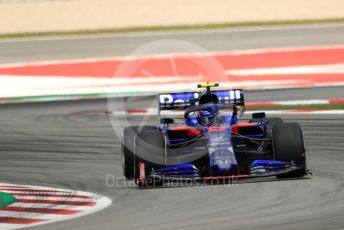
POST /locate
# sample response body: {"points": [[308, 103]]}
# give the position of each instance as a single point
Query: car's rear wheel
{"points": [[288, 145], [129, 134], [150, 151]]}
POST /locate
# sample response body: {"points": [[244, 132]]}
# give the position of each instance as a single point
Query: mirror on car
{"points": [[166, 121], [259, 115]]}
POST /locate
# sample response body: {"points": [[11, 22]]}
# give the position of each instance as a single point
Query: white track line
{"points": [[337, 68]]}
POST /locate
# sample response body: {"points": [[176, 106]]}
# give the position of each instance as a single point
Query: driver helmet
{"points": [[205, 118]]}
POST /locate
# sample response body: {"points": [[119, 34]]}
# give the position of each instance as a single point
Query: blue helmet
{"points": [[205, 118]]}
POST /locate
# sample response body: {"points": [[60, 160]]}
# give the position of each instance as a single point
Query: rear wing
{"points": [[181, 101]]}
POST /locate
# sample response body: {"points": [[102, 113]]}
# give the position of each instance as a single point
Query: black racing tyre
{"points": [[128, 148], [288, 145], [150, 149], [203, 165]]}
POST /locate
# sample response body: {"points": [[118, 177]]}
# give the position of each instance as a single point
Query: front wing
{"points": [[189, 173]]}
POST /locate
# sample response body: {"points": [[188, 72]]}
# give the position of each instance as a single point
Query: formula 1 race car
{"points": [[211, 142]]}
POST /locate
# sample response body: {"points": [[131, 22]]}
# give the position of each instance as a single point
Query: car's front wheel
{"points": [[128, 137], [288, 145], [150, 153]]}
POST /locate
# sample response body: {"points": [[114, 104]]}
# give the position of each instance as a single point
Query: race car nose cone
{"points": [[224, 162]]}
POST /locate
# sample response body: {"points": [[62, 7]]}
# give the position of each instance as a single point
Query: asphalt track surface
{"points": [[25, 50], [53, 144], [57, 144]]}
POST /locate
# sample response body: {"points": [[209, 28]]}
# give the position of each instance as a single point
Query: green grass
{"points": [[174, 28], [298, 107], [6, 199]]}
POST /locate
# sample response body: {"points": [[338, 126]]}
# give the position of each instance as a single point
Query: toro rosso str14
{"points": [[211, 141]]}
